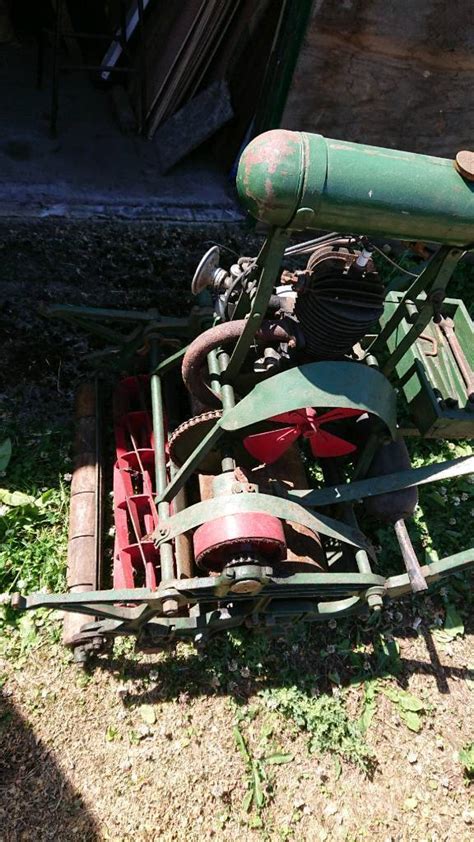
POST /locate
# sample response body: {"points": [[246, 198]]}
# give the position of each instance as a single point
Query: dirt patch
{"points": [[183, 777], [116, 264]]}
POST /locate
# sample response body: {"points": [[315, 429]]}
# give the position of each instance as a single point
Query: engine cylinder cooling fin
{"points": [[338, 303]]}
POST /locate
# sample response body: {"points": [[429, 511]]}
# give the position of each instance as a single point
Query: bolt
{"points": [[163, 532], [375, 602]]}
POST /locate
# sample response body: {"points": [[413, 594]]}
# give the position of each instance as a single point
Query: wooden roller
{"points": [[85, 513]]}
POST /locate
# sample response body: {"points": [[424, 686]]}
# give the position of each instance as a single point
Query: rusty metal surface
{"points": [[446, 325], [223, 334], [187, 436], [417, 580], [82, 560]]}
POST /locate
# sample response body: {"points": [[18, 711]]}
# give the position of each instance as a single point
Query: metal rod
{"points": [[447, 327], [417, 580], [269, 260], [166, 550], [228, 402], [302, 248], [214, 371], [332, 475], [227, 391], [183, 543], [435, 275]]}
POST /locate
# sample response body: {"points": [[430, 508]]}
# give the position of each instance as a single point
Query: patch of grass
{"points": [[33, 524], [466, 756], [33, 512], [326, 720]]}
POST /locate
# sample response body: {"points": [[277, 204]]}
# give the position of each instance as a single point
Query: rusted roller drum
{"points": [[84, 555]]}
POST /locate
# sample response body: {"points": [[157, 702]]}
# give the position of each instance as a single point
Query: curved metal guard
{"points": [[335, 384]]}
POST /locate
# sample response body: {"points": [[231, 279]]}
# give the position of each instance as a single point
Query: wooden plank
{"points": [[399, 75], [193, 124], [189, 73]]}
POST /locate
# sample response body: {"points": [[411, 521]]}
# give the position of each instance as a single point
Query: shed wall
{"points": [[395, 73]]}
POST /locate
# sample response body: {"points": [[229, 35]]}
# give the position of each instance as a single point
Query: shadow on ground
{"points": [[313, 660], [36, 806]]}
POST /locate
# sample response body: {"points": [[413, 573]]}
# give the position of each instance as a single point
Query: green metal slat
{"points": [[233, 504], [361, 489]]}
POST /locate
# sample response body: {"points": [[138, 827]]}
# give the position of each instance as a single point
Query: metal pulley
{"points": [[208, 272]]}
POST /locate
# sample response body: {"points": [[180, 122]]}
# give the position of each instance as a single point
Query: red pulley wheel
{"points": [[220, 540]]}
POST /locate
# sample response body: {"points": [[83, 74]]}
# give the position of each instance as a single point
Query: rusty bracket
{"points": [[433, 342]]}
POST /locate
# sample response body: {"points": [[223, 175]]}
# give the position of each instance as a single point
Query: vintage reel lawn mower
{"points": [[221, 418]]}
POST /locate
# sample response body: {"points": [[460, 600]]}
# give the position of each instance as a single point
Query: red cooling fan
{"points": [[268, 447]]}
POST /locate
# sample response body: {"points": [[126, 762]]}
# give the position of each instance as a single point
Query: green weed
{"points": [[33, 513], [33, 530], [326, 720], [410, 708], [369, 706], [466, 756], [259, 785]]}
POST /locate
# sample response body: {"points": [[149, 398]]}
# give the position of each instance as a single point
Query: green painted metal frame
{"points": [[427, 372], [339, 384], [280, 599], [298, 181], [297, 597], [311, 183]]}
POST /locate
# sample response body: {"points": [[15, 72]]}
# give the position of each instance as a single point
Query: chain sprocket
{"points": [[185, 438]]}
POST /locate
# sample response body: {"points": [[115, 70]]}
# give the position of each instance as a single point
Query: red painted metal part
{"points": [[136, 560], [269, 446], [246, 533]]}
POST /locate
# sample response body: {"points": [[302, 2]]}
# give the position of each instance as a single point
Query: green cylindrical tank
{"points": [[298, 180]]}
